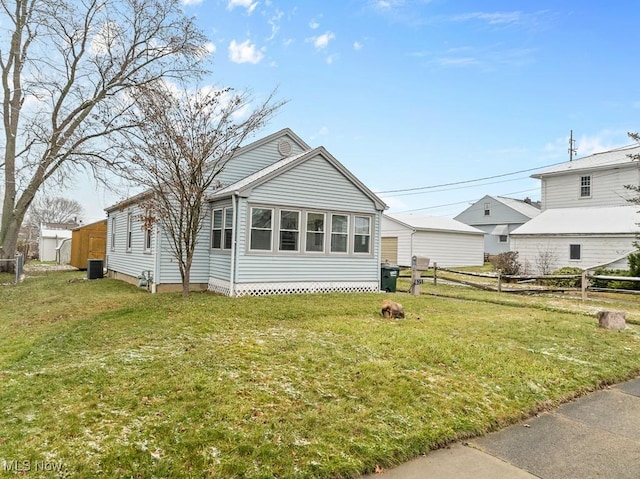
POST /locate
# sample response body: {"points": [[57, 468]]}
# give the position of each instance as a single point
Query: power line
{"points": [[457, 188], [464, 202], [467, 181]]}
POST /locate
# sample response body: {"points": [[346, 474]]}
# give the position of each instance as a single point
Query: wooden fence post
{"points": [[584, 284], [499, 281], [435, 273]]}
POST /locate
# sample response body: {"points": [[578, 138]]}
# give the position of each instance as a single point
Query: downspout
{"points": [[234, 238]]}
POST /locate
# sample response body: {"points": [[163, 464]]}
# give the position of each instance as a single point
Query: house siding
{"points": [[596, 250], [499, 214], [607, 188], [244, 164], [135, 261], [170, 272], [313, 184]]}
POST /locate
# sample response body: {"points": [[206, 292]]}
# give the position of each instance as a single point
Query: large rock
{"points": [[615, 320]]}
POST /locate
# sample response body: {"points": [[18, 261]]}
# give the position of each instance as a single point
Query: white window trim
{"points": [[113, 233], [251, 228], [148, 239], [361, 253], [213, 228], [324, 232], [299, 230], [227, 211], [580, 195], [129, 232], [347, 234]]}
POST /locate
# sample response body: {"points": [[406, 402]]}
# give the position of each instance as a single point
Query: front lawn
{"points": [[105, 380]]}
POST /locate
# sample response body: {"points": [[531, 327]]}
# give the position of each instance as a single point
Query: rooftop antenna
{"points": [[572, 146]]}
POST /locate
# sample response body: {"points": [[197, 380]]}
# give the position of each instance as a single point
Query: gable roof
{"points": [[598, 161], [245, 185], [594, 220], [432, 223], [241, 150], [527, 209]]}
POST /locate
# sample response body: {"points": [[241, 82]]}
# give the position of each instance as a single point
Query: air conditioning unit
{"points": [[95, 268]]}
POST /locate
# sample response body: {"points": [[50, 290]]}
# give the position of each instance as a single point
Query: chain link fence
{"points": [[17, 265]]}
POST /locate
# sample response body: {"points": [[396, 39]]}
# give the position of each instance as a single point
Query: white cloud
{"points": [[586, 145], [357, 46], [249, 5], [314, 25], [244, 52], [191, 2], [210, 47], [274, 21], [330, 59], [494, 18], [322, 41]]}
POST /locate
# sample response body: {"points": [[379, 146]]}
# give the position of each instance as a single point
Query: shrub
{"points": [[565, 283], [507, 263], [612, 283]]}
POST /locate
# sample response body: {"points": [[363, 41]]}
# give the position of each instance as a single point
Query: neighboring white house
{"points": [[444, 241], [586, 219], [289, 219], [52, 236], [497, 216]]}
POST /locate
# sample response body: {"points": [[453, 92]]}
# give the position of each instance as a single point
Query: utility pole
{"points": [[572, 147]]}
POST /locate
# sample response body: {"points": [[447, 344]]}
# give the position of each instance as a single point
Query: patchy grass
{"points": [[105, 380]]}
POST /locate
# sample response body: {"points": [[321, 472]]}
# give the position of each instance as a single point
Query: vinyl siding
{"points": [[449, 249], [595, 250], [169, 270], [254, 160], [499, 214], [607, 188], [132, 262], [279, 267], [313, 184], [219, 260]]}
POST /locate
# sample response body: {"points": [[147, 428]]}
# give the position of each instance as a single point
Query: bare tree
{"points": [[67, 67], [47, 209], [183, 142], [546, 259]]}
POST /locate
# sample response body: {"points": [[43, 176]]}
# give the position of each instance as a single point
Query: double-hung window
{"points": [[147, 239], [362, 234], [261, 229], [339, 233], [222, 228], [289, 230], [585, 186], [228, 227], [113, 234], [216, 229], [315, 232], [129, 231]]}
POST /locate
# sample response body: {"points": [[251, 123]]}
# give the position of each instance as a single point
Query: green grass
{"points": [[110, 381]]}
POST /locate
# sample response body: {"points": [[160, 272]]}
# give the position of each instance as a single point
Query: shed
{"points": [[51, 237], [444, 241], [88, 242]]}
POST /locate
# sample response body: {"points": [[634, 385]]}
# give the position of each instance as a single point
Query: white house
{"points": [[444, 241], [497, 216], [586, 219], [288, 219]]}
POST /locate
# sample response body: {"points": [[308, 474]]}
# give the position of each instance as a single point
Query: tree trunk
{"points": [[8, 246]]}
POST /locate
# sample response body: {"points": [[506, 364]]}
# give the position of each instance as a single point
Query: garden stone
{"points": [[615, 320]]}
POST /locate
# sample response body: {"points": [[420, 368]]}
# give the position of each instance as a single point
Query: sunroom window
{"points": [[289, 230], [261, 229], [362, 236], [339, 233], [315, 232]]}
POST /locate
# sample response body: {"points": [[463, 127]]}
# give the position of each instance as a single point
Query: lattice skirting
{"points": [[261, 289], [219, 286]]}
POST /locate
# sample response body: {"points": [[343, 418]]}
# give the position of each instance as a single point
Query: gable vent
{"points": [[284, 148]]}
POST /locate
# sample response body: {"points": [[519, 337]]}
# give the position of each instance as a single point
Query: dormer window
{"points": [[585, 186]]}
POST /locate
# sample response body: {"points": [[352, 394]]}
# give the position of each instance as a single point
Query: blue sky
{"points": [[409, 94]]}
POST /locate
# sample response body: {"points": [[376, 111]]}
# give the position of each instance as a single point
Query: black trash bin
{"points": [[95, 268], [388, 277]]}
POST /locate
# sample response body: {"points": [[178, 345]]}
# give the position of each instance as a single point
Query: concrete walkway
{"points": [[596, 436]]}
